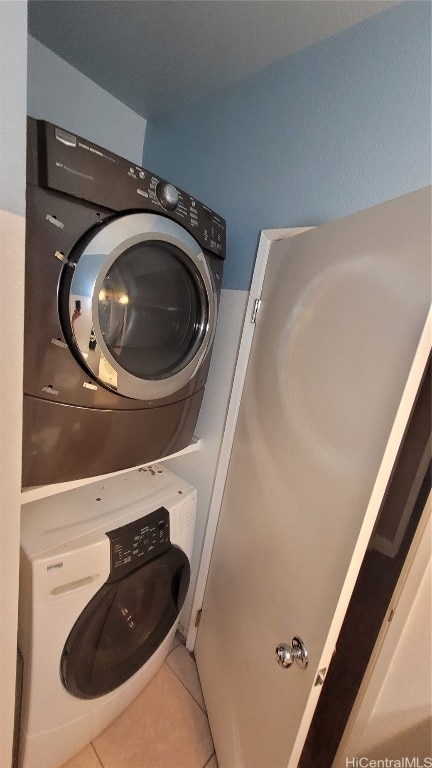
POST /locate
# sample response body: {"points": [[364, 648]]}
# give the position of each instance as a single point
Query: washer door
{"points": [[140, 307], [123, 625]]}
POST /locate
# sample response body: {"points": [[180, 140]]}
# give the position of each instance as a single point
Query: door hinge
{"points": [[321, 676], [198, 617], [255, 310]]}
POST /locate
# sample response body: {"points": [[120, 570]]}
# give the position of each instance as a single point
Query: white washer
{"points": [[104, 574]]}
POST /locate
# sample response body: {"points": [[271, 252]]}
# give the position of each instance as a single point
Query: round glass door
{"points": [[152, 310], [141, 306], [123, 625]]}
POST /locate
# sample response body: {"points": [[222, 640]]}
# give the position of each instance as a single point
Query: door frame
{"points": [[267, 238], [394, 622]]}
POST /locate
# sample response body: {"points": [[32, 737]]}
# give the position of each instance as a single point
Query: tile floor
{"points": [[165, 726]]}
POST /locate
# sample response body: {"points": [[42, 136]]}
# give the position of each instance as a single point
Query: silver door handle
{"points": [[286, 654]]}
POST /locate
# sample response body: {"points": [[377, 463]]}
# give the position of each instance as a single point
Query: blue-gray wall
{"points": [[57, 92], [333, 129]]}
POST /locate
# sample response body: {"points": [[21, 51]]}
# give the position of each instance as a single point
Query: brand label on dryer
{"points": [[66, 138]]}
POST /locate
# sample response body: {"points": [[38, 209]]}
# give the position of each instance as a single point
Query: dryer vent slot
{"points": [[74, 585]]}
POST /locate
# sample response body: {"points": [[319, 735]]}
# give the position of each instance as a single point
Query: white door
{"points": [[323, 410]]}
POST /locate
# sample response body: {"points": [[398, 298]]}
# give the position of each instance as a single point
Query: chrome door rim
{"points": [[92, 265]]}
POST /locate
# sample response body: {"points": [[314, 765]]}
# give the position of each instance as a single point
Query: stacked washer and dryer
{"points": [[123, 276]]}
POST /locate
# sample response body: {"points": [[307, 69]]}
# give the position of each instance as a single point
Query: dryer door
{"points": [[123, 625], [139, 305]]}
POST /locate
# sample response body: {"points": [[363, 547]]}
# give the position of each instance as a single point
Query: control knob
{"points": [[167, 195]]}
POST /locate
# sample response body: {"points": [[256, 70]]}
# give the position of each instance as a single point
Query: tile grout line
{"points": [[97, 756], [204, 711], [193, 699], [213, 754], [173, 648], [187, 689]]}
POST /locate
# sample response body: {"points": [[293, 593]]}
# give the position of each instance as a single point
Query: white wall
{"points": [[60, 94], [13, 74], [200, 468]]}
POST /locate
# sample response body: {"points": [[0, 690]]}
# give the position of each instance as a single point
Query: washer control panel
{"points": [[138, 542]]}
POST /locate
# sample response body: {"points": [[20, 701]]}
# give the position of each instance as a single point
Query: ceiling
{"points": [[159, 55]]}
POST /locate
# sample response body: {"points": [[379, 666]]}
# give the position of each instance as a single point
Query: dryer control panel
{"points": [[138, 542], [65, 162]]}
